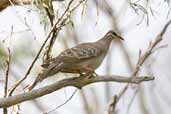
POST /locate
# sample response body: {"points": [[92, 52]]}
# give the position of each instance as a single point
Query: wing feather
{"points": [[76, 54], [80, 53]]}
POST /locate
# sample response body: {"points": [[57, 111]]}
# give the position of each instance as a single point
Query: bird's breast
{"points": [[94, 63]]}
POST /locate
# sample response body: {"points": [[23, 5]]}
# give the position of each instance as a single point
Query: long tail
{"points": [[45, 74]]}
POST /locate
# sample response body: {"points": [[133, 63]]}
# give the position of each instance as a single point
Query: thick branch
{"points": [[78, 82]]}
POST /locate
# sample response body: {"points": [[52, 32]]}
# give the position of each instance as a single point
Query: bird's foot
{"points": [[91, 75], [88, 75]]}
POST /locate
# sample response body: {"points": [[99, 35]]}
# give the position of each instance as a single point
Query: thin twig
{"points": [[142, 59], [32, 64], [112, 105], [8, 61], [50, 12], [62, 103], [53, 36], [6, 78], [61, 21], [54, 28]]}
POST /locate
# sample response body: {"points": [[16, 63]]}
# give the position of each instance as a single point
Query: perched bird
{"points": [[82, 59]]}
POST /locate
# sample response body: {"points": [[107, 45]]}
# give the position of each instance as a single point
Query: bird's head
{"points": [[112, 34]]}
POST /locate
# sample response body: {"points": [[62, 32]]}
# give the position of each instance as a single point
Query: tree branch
{"points": [[141, 60], [55, 28], [77, 82]]}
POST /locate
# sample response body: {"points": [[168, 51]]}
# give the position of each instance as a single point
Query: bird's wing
{"points": [[80, 53], [76, 54]]}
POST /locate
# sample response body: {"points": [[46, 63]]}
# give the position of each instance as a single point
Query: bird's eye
{"points": [[113, 33]]}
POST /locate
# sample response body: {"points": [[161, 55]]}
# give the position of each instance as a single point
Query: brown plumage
{"points": [[82, 59]]}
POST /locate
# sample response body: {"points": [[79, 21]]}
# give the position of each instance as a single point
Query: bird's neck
{"points": [[105, 42]]}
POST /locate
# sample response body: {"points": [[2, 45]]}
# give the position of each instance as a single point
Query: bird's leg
{"points": [[86, 74], [90, 74]]}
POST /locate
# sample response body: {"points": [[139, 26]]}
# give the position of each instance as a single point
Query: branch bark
{"points": [[77, 82]]}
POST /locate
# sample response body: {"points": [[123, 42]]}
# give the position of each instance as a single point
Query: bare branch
{"points": [[55, 33], [55, 28], [6, 78], [62, 103], [77, 82], [140, 62], [8, 61]]}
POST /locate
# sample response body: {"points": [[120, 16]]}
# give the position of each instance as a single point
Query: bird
{"points": [[82, 59]]}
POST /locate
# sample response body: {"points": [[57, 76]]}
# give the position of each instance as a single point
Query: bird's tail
{"points": [[45, 74]]}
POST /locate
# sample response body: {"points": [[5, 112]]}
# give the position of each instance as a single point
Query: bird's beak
{"points": [[120, 37]]}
